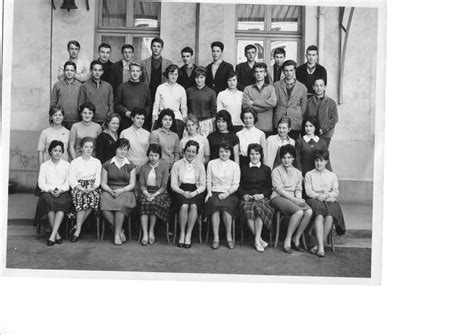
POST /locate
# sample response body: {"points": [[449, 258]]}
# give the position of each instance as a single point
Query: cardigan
{"points": [[264, 100], [316, 182], [177, 175], [255, 180], [293, 106], [219, 82], [101, 95], [169, 143], [162, 174], [307, 79], [305, 152], [325, 110], [273, 145]]}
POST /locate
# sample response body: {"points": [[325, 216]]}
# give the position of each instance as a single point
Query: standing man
{"points": [[262, 98], [309, 71], [291, 99], [244, 70], [187, 72], [82, 66], [104, 58], [276, 71], [133, 93], [98, 92], [121, 69], [218, 71]]}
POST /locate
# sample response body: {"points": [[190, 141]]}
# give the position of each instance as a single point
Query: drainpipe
{"points": [[320, 35]]}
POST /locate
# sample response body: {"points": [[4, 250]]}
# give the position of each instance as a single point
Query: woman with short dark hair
{"points": [[82, 129], [107, 140], [224, 132], [166, 138], [56, 131]]}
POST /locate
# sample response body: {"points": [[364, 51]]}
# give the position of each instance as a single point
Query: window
{"points": [[132, 22], [269, 27]]}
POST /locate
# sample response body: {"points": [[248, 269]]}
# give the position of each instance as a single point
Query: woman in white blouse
{"points": [[84, 178], [54, 199], [250, 134], [231, 100], [223, 179]]}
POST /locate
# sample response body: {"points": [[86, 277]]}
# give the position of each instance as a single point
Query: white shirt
{"points": [[189, 176], [81, 169], [247, 137], [170, 96], [259, 164], [223, 176], [204, 149], [231, 102], [53, 176], [308, 138]]}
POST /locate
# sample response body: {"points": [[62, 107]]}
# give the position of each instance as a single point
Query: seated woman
{"points": [[223, 178], [249, 134], [322, 189], [224, 132], [154, 199], [84, 178], [192, 126], [307, 145], [106, 141], [188, 181], [54, 199], [82, 129], [165, 138], [56, 131], [118, 183], [255, 190], [287, 198], [274, 142]]}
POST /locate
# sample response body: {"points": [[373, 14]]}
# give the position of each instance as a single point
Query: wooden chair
{"points": [[175, 228], [209, 223], [243, 223], [279, 218], [102, 222], [167, 231]]}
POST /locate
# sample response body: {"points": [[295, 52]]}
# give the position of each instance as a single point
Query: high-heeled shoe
{"points": [[50, 243], [59, 241], [74, 238], [187, 245]]}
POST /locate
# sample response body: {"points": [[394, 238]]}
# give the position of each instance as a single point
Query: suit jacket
{"points": [[117, 75], [146, 68], [293, 106], [245, 76], [183, 78], [219, 82], [271, 74]]}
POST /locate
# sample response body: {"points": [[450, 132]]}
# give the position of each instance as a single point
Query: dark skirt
{"points": [[124, 203], [252, 209], [180, 200], [47, 203], [229, 204], [329, 208], [159, 206], [83, 200]]}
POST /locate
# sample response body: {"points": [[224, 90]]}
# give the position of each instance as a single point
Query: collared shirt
{"points": [[138, 144], [155, 62], [189, 176], [115, 161], [81, 169], [259, 164], [151, 180], [215, 66], [317, 182], [248, 136], [82, 69], [231, 102], [53, 176], [170, 96], [287, 179], [169, 143], [308, 138], [274, 142], [125, 71], [223, 176], [189, 69]]}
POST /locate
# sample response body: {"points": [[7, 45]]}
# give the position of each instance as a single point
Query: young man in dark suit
{"points": [[218, 71], [121, 69], [309, 71], [187, 72]]}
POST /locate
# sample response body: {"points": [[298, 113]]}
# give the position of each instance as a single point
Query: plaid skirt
{"points": [[262, 209], [47, 203], [229, 204], [328, 208], [83, 200], [124, 203], [159, 206]]}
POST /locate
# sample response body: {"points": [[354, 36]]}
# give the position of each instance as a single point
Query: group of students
{"points": [[194, 153]]}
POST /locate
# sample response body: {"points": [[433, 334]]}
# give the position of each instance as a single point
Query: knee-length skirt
{"points": [[124, 203], [229, 204], [329, 208], [179, 200], [159, 206], [252, 209], [47, 203], [82, 200], [286, 206]]}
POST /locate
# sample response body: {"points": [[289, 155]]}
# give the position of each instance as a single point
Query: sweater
{"points": [[255, 180], [130, 95], [308, 79], [264, 100], [177, 175], [201, 102], [101, 95], [67, 94]]}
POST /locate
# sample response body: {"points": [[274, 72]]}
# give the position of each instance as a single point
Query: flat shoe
{"points": [[151, 240], [259, 248], [321, 254], [297, 247], [314, 250], [264, 244], [215, 245], [122, 236], [143, 242], [230, 244], [50, 243], [74, 238], [287, 250], [187, 246], [59, 241]]}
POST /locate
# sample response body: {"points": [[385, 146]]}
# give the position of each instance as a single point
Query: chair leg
{"points": [[102, 229], [333, 238], [167, 231], [200, 228], [233, 230], [304, 241], [277, 233], [242, 232], [97, 226], [175, 229], [207, 231], [130, 228]]}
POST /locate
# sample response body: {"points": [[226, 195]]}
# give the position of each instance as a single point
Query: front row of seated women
{"points": [[252, 190]]}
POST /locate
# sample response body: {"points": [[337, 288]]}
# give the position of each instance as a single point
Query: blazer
{"points": [[219, 82], [326, 115], [117, 75], [271, 74], [293, 106], [183, 78], [146, 68]]}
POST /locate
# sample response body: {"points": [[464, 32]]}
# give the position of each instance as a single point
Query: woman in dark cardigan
{"points": [[255, 190], [308, 144], [106, 141]]}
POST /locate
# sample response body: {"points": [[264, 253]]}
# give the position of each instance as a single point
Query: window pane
{"points": [[114, 13], [251, 17], [285, 18], [116, 43], [241, 50], [291, 49], [146, 14], [142, 47]]}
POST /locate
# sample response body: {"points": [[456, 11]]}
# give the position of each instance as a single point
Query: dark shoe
{"points": [[180, 245], [287, 250], [187, 246], [74, 238], [230, 244], [215, 245], [297, 247], [50, 243], [59, 241]]}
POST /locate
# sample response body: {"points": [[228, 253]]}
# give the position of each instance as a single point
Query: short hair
{"points": [[128, 46], [259, 66], [279, 51], [70, 62], [320, 78], [89, 105], [287, 149], [138, 111], [312, 48], [109, 118], [122, 143], [158, 40], [155, 148], [170, 68], [251, 111], [314, 121], [96, 62], [200, 71], [289, 62], [249, 47], [163, 113], [226, 117], [217, 44], [193, 118], [230, 74], [54, 144], [225, 145], [257, 147], [53, 109], [285, 119], [135, 64], [191, 143], [321, 155], [86, 139], [104, 45], [73, 42], [187, 49]]}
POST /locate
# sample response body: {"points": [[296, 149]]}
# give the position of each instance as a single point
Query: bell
{"points": [[69, 4]]}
